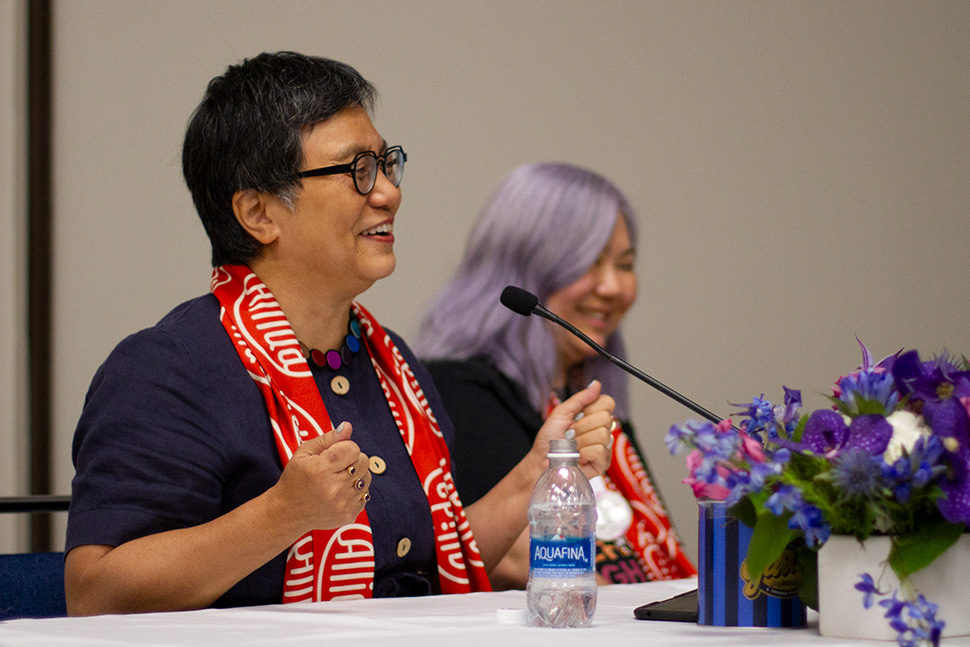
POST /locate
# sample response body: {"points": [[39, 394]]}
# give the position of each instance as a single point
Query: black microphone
{"points": [[525, 303]]}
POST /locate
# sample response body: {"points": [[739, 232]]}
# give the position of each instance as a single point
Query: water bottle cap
{"points": [[563, 448], [507, 616]]}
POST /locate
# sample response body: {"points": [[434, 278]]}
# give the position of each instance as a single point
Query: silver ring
{"points": [[359, 484]]}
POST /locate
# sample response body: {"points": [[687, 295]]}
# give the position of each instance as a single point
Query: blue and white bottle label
{"points": [[560, 558]]}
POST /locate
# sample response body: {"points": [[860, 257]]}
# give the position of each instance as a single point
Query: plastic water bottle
{"points": [[562, 552]]}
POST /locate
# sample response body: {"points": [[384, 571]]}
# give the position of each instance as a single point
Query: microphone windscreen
{"points": [[519, 300]]}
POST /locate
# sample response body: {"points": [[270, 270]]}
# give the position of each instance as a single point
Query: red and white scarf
{"points": [[339, 563], [649, 535]]}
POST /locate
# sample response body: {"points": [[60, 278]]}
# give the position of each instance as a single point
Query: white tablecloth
{"points": [[452, 621]]}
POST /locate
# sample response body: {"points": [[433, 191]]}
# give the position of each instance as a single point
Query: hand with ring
{"points": [[359, 483], [330, 469]]}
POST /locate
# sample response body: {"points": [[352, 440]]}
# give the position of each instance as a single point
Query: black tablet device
{"points": [[680, 608]]}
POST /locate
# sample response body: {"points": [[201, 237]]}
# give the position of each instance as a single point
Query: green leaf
{"points": [[918, 549], [808, 569], [796, 434], [744, 510], [769, 538]]}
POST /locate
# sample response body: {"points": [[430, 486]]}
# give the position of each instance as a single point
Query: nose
{"points": [[607, 281], [384, 195]]}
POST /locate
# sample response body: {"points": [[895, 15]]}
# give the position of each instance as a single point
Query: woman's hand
{"points": [[588, 417], [325, 483], [499, 517]]}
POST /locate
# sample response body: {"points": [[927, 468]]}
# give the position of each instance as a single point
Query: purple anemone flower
{"points": [[825, 432], [871, 433]]}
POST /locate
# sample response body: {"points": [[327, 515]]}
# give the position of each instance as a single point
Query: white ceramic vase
{"points": [[842, 559]]}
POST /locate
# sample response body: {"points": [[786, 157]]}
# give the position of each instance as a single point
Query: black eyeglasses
{"points": [[364, 166]]}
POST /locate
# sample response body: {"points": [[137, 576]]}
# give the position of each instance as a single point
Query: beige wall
{"points": [[801, 169], [13, 381]]}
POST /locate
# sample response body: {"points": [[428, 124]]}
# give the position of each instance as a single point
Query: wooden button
{"points": [[403, 547], [377, 465], [340, 385]]}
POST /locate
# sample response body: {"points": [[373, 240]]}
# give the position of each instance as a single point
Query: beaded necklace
{"points": [[335, 358]]}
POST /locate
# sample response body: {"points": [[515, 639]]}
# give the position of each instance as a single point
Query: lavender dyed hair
{"points": [[542, 229]]}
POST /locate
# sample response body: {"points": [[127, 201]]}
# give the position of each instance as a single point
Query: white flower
{"points": [[907, 429]]}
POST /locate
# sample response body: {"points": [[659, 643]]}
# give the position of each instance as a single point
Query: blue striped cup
{"points": [[726, 595]]}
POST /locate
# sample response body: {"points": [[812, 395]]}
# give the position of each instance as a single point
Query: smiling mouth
{"points": [[599, 320], [383, 229], [594, 314]]}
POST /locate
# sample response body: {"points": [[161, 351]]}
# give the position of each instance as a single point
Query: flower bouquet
{"points": [[890, 458]]}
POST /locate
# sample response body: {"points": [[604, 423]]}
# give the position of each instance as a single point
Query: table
{"points": [[469, 620]]}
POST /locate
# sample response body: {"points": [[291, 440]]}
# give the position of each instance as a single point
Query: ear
{"points": [[255, 214]]}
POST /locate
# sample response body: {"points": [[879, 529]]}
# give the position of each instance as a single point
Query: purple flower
{"points": [[870, 433], [955, 505], [793, 402], [885, 364], [825, 432], [935, 389], [941, 393]]}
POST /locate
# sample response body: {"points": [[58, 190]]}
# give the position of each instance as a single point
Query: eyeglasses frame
{"points": [[350, 167]]}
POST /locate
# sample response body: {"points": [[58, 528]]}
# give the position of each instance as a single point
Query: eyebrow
{"points": [[352, 149]]}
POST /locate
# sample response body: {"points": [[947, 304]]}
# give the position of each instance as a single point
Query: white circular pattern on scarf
{"points": [[614, 514]]}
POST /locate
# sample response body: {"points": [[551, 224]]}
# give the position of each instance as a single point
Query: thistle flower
{"points": [[857, 474]]}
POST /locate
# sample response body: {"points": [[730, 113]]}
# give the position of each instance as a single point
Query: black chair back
{"points": [[32, 586]]}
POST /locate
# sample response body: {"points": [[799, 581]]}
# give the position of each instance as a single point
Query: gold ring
{"points": [[359, 484], [366, 497], [351, 470]]}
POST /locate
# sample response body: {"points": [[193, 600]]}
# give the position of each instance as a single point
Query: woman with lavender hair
{"points": [[568, 236]]}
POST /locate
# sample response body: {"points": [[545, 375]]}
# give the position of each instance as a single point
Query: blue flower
{"points": [[857, 473], [805, 517], [767, 422], [921, 467], [761, 418], [914, 621], [868, 588], [899, 476], [793, 402], [862, 389]]}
